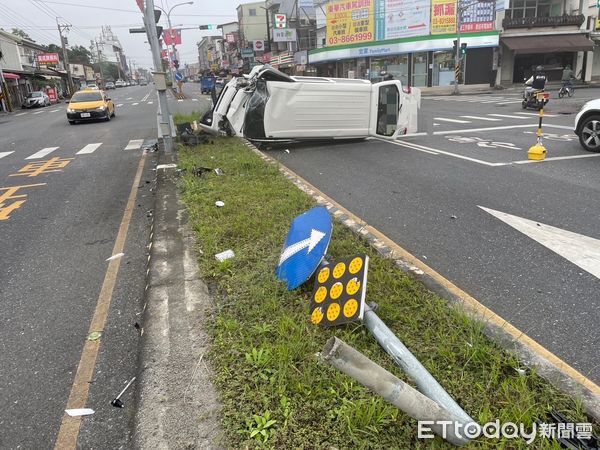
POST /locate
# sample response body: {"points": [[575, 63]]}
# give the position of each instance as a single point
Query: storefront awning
{"points": [[549, 43], [10, 76]]}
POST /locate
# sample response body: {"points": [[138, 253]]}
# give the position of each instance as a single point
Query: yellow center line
{"points": [[69, 427]]}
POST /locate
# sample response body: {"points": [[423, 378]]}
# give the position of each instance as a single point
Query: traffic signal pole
{"points": [[457, 62], [160, 78]]}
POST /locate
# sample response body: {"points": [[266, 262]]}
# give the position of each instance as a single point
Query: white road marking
{"points": [[3, 154], [135, 104], [474, 130], [581, 250], [508, 103], [134, 144], [39, 112], [55, 110], [43, 152], [194, 99], [411, 135], [558, 158], [120, 104], [150, 103], [179, 100], [451, 120], [537, 114], [145, 97], [508, 116], [434, 151], [90, 148], [562, 127], [481, 118], [20, 114], [129, 98]]}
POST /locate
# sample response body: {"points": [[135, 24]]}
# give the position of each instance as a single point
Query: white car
{"points": [[270, 106], [119, 83], [587, 126]]}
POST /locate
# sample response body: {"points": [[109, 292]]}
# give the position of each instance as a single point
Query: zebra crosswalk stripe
{"points": [[134, 144], [89, 148], [43, 152]]}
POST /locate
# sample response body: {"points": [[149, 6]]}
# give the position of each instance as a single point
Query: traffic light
{"points": [[159, 29], [463, 49], [207, 27], [454, 44], [176, 63]]}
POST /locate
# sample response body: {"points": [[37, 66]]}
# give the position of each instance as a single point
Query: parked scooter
{"points": [[535, 99]]}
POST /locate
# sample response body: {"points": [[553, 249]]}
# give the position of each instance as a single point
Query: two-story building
{"points": [[550, 33]]}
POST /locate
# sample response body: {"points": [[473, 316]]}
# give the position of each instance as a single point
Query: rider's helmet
{"points": [[539, 69]]}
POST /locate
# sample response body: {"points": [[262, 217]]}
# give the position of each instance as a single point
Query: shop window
{"points": [[419, 75], [443, 69]]}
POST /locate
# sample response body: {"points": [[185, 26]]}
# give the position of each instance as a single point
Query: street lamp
{"points": [[171, 33], [457, 56]]}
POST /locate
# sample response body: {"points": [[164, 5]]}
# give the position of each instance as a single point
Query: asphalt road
{"points": [[58, 230], [426, 193]]}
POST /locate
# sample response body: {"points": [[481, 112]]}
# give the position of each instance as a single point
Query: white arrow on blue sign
{"points": [[178, 76], [305, 246]]}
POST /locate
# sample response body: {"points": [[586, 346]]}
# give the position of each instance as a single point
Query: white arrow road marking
{"points": [[311, 243], [583, 251]]}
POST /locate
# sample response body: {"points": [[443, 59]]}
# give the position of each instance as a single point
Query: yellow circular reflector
{"points": [[353, 286], [355, 265], [333, 312], [321, 294], [336, 290], [339, 270], [350, 308], [324, 275], [316, 316]]}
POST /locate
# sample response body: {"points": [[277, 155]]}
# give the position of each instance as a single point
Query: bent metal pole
{"points": [[404, 397], [402, 356]]}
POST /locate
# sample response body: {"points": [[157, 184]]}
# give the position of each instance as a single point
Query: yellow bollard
{"points": [[537, 152]]}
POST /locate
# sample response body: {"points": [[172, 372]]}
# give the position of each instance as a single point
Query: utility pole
{"points": [[65, 55], [160, 77], [99, 62]]}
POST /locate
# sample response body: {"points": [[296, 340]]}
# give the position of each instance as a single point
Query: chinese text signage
{"points": [[350, 21], [443, 16], [402, 18], [47, 58], [476, 16]]}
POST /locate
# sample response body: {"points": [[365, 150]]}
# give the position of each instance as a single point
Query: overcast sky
{"points": [[38, 18]]}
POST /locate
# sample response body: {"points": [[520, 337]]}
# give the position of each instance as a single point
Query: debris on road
{"points": [[79, 412], [219, 171], [116, 402], [219, 203], [94, 336], [117, 256], [453, 217], [200, 171], [287, 150], [223, 256], [166, 166]]}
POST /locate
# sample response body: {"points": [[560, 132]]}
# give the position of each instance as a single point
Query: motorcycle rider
{"points": [[567, 76], [536, 83]]}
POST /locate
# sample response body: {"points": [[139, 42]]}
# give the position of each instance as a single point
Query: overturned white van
{"points": [[270, 106]]}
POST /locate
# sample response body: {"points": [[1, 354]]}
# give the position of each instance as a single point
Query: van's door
{"points": [[389, 106]]}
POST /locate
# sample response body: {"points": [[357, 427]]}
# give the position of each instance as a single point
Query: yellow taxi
{"points": [[90, 104]]}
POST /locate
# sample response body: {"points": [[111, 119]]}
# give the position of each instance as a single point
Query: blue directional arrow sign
{"points": [[178, 76], [305, 246]]}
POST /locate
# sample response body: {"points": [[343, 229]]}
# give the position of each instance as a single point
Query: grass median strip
{"points": [[273, 390]]}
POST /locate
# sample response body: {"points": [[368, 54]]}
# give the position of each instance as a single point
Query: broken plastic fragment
{"points": [[219, 203], [166, 166], [219, 171], [117, 256], [94, 336], [287, 150], [227, 254], [79, 412]]}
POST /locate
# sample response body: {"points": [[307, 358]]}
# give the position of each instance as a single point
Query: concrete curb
{"points": [[177, 403], [556, 371]]}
